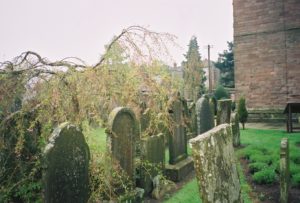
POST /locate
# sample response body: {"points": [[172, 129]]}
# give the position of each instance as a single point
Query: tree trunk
{"points": [[243, 126]]}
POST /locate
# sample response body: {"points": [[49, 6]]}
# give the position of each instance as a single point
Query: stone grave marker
{"points": [[215, 165], [284, 170], [193, 121], [224, 111], [123, 131], [152, 160], [66, 161], [235, 129], [177, 139], [205, 118], [179, 163]]}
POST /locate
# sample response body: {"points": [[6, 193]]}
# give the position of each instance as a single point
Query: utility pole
{"points": [[209, 70]]}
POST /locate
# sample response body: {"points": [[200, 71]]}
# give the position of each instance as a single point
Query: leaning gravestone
{"points": [[205, 118], [223, 111], [235, 129], [66, 175], [215, 166], [179, 162], [123, 132], [284, 170]]}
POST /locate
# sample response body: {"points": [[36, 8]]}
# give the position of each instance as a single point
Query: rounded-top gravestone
{"points": [[205, 118], [67, 156], [123, 132]]}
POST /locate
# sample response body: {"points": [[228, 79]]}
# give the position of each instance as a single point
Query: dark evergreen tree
{"points": [[193, 74], [226, 65], [242, 111]]}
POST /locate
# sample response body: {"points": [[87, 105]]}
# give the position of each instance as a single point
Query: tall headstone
{"points": [[66, 175], [123, 131], [235, 129], [224, 111], [152, 160], [177, 139], [192, 121], [179, 162], [215, 166], [205, 118], [284, 170]]}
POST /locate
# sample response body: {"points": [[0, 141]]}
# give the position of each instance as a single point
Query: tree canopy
{"points": [[194, 77], [226, 65]]}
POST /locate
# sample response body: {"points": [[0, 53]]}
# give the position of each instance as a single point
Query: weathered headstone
{"points": [[123, 132], [177, 139], [192, 121], [152, 160], [215, 166], [284, 170], [66, 175], [235, 129], [205, 118], [180, 164], [224, 111]]}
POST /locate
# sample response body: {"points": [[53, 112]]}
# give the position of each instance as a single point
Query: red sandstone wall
{"points": [[267, 52]]}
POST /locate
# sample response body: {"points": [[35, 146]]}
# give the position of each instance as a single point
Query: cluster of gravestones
{"points": [[66, 156]]}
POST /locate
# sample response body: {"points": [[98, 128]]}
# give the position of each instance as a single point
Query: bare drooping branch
{"points": [[139, 42]]}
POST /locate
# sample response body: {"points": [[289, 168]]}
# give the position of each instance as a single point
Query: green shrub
{"points": [[294, 168], [267, 159], [258, 166], [247, 152], [265, 176], [242, 111], [296, 180], [221, 93], [295, 157]]}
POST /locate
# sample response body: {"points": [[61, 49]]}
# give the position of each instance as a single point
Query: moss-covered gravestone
{"points": [[179, 162], [152, 160], [215, 166], [235, 129], [224, 111], [66, 173], [205, 118], [192, 132], [123, 132], [284, 170]]}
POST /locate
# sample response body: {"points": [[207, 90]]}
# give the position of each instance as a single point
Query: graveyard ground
{"points": [[259, 158]]}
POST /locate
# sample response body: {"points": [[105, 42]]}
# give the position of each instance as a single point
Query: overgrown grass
{"points": [[263, 152]]}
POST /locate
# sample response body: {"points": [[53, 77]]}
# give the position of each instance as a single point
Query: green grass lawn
{"points": [[261, 148], [96, 139]]}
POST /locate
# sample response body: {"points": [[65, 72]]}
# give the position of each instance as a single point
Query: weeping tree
{"points": [[71, 90]]}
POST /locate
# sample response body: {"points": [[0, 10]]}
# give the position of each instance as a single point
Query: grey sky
{"points": [[62, 28]]}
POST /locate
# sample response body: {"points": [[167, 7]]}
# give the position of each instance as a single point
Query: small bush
{"points": [[296, 180], [295, 157], [221, 93], [242, 111], [258, 166], [294, 168], [261, 158], [265, 176], [246, 153]]}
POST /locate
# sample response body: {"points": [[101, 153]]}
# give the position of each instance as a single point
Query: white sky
{"points": [[61, 28]]}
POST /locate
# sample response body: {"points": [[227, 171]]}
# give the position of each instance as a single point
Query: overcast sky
{"points": [[60, 28]]}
